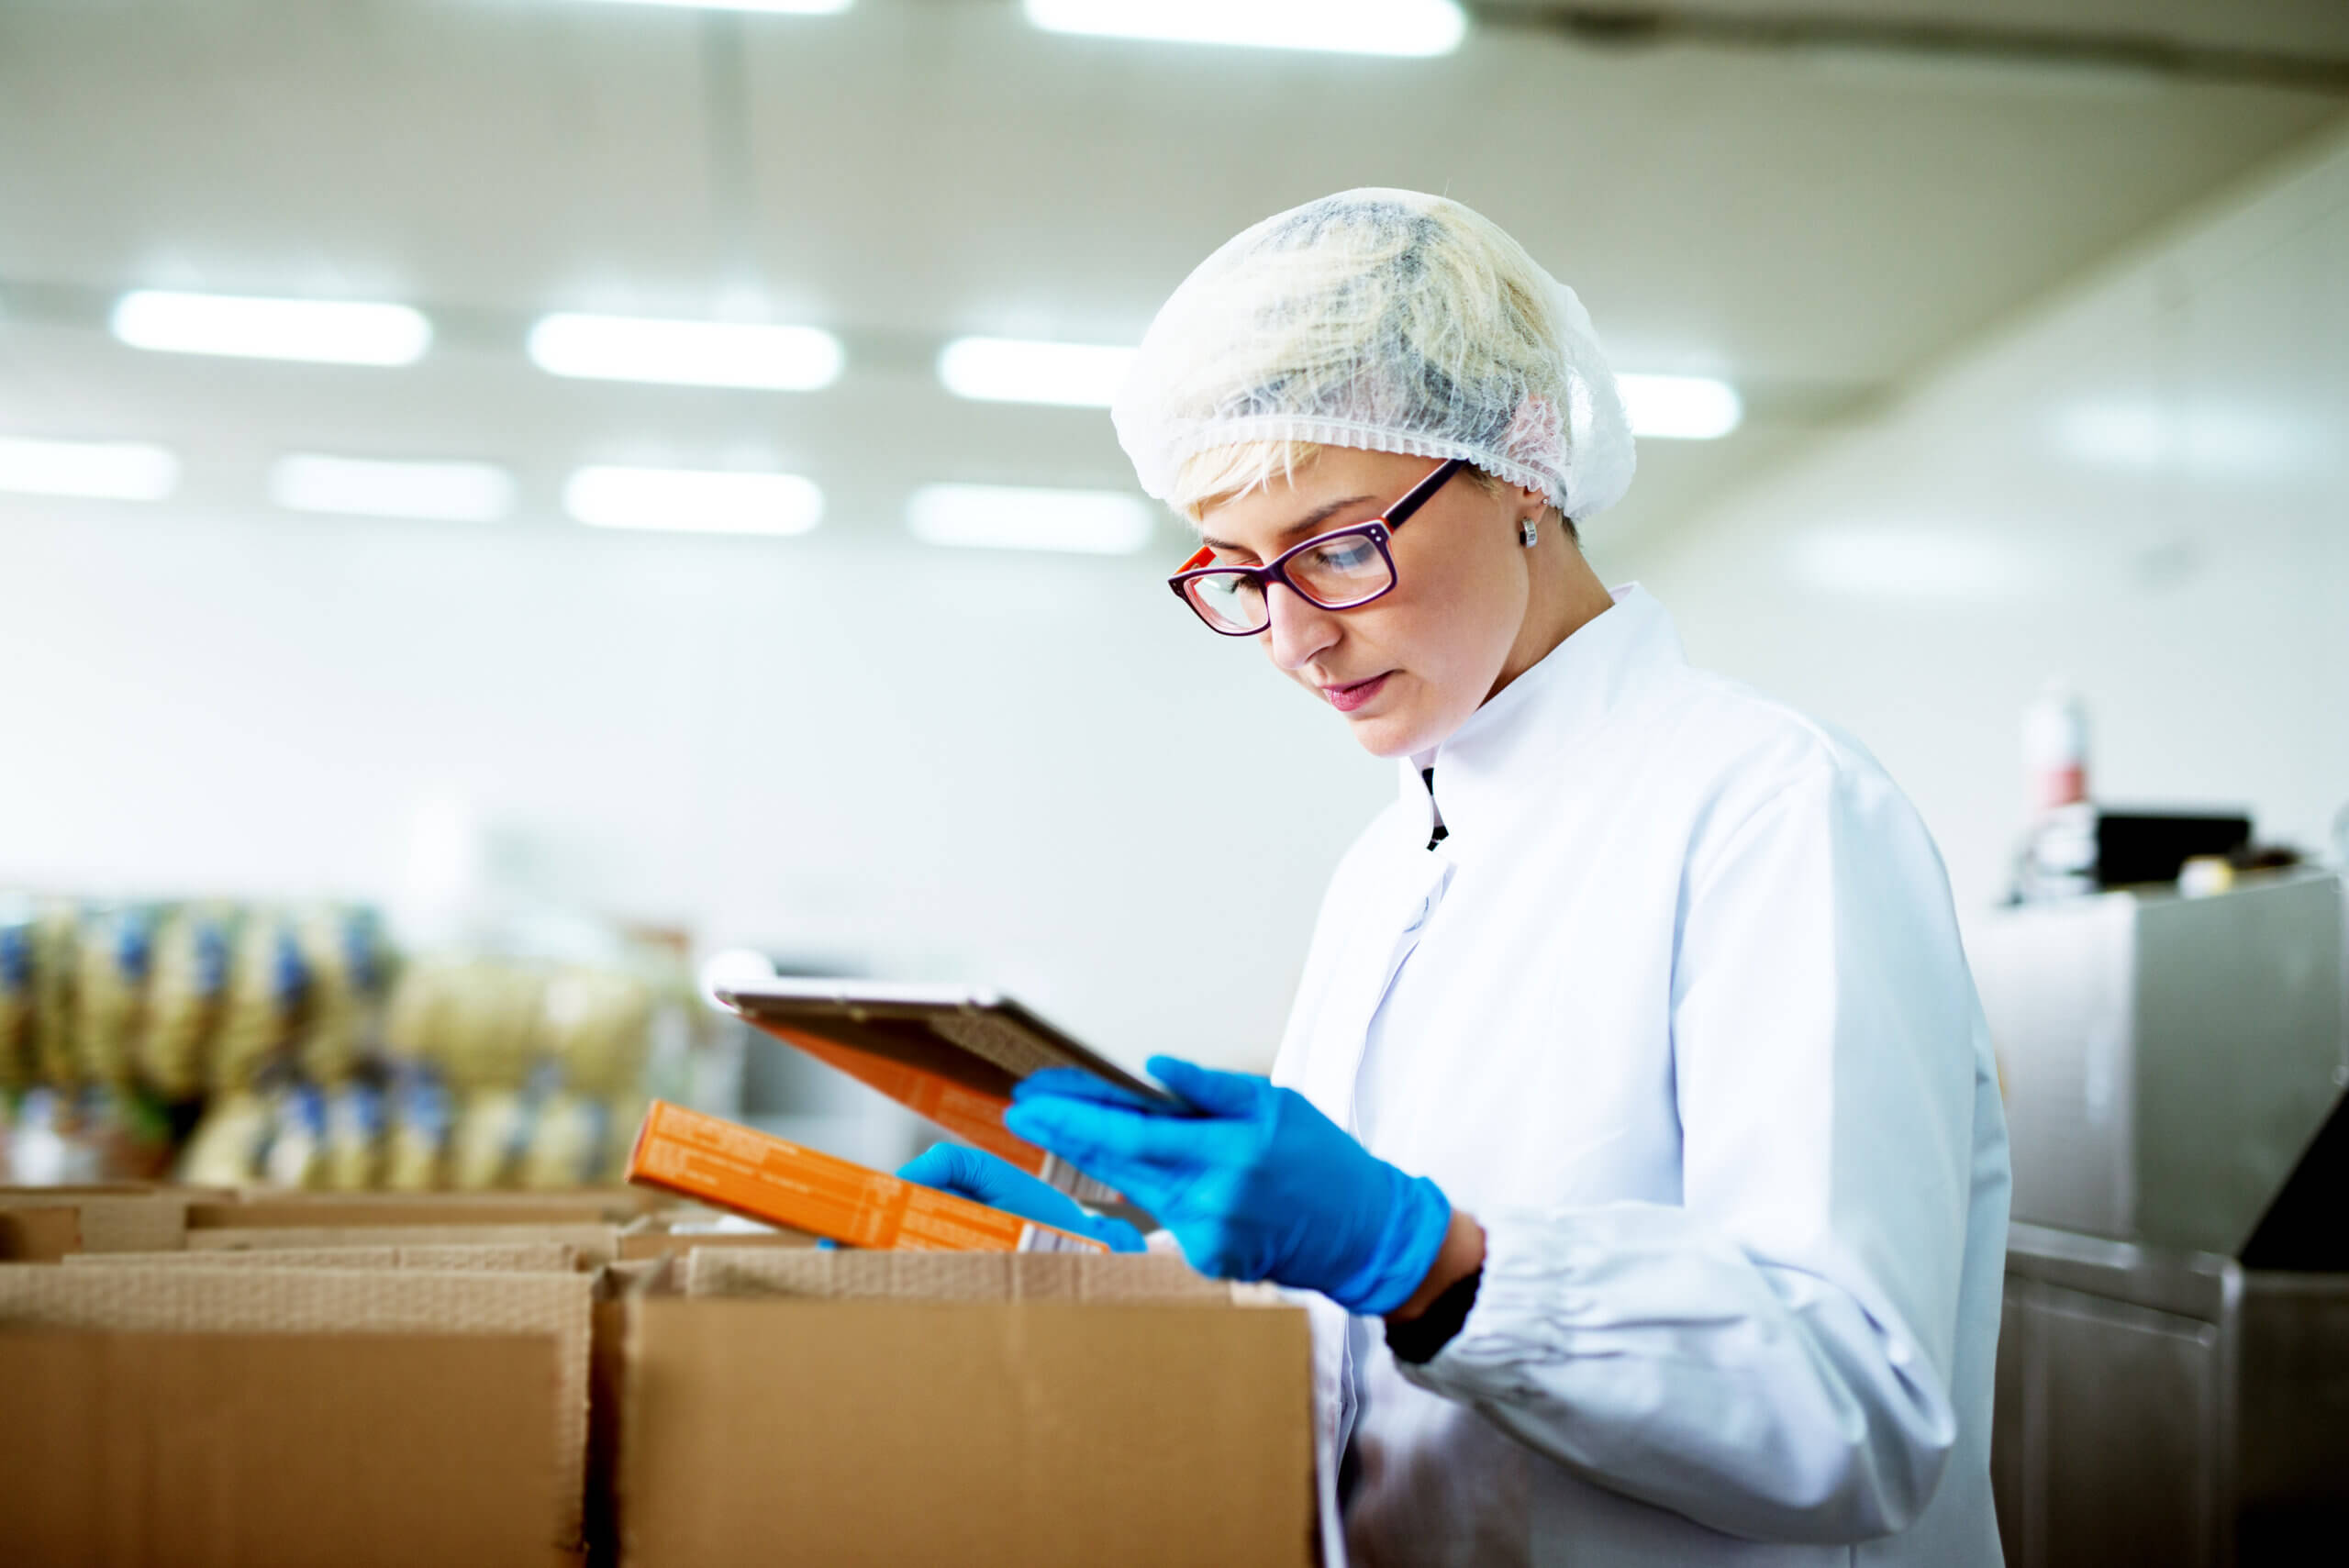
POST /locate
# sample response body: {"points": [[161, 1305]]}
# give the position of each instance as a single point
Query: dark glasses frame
{"points": [[1378, 530]]}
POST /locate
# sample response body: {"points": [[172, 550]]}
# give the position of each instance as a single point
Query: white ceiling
{"points": [[1816, 224]]}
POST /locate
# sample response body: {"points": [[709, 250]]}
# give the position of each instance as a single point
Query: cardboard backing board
{"points": [[953, 1276], [592, 1245], [989, 1434], [320, 1210], [233, 1451], [39, 1234], [39, 1225], [639, 1244], [512, 1257], [186, 1299]]}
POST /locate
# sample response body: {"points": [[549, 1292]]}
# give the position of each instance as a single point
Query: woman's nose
{"points": [[1299, 628]]}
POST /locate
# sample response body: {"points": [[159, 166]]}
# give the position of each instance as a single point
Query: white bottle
{"points": [[2055, 750], [2059, 857]]}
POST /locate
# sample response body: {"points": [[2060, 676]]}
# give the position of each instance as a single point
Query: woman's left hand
{"points": [[1257, 1185]]}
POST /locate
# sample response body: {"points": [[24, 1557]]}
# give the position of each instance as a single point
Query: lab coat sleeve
{"points": [[1771, 1359]]}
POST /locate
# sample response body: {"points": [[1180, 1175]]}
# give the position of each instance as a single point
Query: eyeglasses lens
{"points": [[1228, 601], [1342, 571]]}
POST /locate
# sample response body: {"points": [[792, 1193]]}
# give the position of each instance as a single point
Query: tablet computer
{"points": [[952, 1053]]}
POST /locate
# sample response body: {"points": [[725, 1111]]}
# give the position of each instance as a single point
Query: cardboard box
{"points": [[312, 1211], [877, 1408], [739, 1168], [191, 1450], [44, 1224], [592, 1245], [509, 1257], [636, 1245], [191, 1299]]}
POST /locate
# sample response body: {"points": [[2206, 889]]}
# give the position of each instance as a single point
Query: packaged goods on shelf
{"points": [[16, 937], [290, 1045], [112, 949], [186, 983]]}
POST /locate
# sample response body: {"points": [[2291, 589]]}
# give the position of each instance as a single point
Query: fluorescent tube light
{"points": [[1014, 370], [438, 492], [1348, 27], [694, 501], [104, 471], [1000, 517], [324, 330], [1681, 408], [791, 7], [686, 353]]}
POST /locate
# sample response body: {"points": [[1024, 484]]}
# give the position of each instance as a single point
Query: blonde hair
{"points": [[1219, 475]]}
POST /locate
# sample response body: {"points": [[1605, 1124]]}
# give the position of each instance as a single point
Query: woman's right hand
{"points": [[998, 1183]]}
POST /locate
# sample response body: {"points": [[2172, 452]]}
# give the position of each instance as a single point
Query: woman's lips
{"points": [[1345, 699]]}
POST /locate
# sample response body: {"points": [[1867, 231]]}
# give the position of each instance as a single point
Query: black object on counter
{"points": [[2134, 847]]}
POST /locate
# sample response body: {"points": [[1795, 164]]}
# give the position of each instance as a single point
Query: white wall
{"points": [[1035, 771], [2142, 486], [840, 744]]}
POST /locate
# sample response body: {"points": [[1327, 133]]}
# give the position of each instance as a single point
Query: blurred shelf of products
{"points": [[229, 1045]]}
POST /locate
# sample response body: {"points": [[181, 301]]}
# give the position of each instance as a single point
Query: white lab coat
{"points": [[1679, 1011]]}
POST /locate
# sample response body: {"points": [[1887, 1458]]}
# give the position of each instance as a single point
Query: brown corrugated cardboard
{"points": [[510, 1257], [948, 1276], [39, 1233], [1139, 1417], [171, 1450], [42, 1225], [250, 1301], [641, 1244], [318, 1210], [594, 1244]]}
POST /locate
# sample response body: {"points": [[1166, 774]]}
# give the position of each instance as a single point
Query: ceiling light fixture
{"points": [[1346, 27], [1681, 408], [321, 331], [681, 500], [686, 353], [1015, 370], [789, 7], [100, 471], [1002, 517], [375, 487]]}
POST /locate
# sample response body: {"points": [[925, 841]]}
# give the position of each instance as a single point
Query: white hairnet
{"points": [[1388, 320]]}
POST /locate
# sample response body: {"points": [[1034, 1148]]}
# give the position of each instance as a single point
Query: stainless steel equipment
{"points": [[2167, 1062], [2174, 1360], [2160, 1408]]}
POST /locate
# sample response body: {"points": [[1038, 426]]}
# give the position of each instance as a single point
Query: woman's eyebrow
{"points": [[1304, 524]]}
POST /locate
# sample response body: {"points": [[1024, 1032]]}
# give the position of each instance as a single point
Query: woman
{"points": [[1636, 1080]]}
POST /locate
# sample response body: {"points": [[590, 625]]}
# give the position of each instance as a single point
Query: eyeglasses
{"points": [[1344, 570]]}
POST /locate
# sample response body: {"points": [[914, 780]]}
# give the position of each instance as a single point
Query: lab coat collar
{"points": [[1491, 766]]}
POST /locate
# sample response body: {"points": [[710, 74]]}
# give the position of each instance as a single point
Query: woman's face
{"points": [[1407, 669]]}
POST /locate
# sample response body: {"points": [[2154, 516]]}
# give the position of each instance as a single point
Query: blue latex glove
{"points": [[1259, 1185], [998, 1183]]}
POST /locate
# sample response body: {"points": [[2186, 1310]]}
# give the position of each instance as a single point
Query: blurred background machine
{"points": [[2173, 1363]]}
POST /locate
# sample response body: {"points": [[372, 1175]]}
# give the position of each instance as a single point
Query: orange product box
{"points": [[734, 1167]]}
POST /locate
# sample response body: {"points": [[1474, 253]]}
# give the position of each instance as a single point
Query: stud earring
{"points": [[1526, 534]]}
